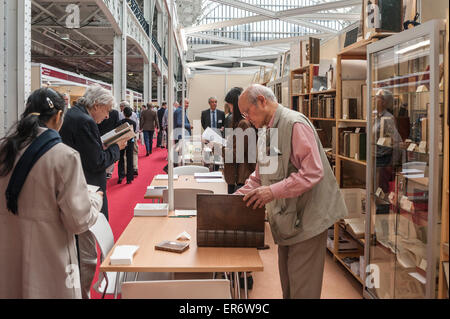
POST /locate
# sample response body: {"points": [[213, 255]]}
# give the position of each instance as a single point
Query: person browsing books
{"points": [[80, 131], [127, 112], [44, 204], [299, 191]]}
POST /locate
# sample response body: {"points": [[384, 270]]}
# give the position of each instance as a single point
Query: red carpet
{"points": [[122, 198]]}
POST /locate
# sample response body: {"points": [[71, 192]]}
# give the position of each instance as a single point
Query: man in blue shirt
{"points": [[177, 121]]}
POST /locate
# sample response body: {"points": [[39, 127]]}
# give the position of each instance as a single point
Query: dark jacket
{"points": [[160, 113], [80, 132], [149, 120], [229, 121], [206, 118], [110, 123]]}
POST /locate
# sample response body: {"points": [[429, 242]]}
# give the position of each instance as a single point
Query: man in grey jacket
{"points": [[300, 193]]}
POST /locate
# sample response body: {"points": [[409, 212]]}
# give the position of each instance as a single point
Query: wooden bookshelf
{"points": [[345, 158], [443, 283]]}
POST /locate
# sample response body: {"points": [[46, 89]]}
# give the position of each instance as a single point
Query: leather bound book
{"points": [[225, 221], [172, 246]]}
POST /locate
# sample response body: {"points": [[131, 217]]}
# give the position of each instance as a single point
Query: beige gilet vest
{"points": [[294, 220]]}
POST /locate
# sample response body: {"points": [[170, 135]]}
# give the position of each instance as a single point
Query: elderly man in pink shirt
{"points": [[301, 195]]}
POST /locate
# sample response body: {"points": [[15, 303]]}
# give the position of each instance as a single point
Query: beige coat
{"points": [[38, 255]]}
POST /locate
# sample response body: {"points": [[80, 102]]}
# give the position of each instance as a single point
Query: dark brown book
{"points": [[225, 221], [172, 246]]}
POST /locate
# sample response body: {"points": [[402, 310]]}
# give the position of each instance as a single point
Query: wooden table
{"points": [[146, 232], [188, 181]]}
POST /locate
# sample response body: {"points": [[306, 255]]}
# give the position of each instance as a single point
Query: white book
{"points": [[419, 277], [122, 132], [208, 175], [185, 212], [210, 180], [123, 255], [151, 209], [210, 135], [156, 190], [165, 177]]}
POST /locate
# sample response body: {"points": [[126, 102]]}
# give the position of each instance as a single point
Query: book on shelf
{"points": [[349, 109], [355, 201], [123, 255], [353, 145], [355, 226], [172, 246], [120, 133]]}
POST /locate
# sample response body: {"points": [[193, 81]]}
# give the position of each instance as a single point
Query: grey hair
{"points": [[124, 104], [255, 90], [212, 97], [95, 94], [387, 97]]}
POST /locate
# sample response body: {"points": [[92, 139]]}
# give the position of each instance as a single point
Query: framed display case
{"points": [[405, 98]]}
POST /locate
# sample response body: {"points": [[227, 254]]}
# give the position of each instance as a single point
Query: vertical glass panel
{"points": [[401, 112]]}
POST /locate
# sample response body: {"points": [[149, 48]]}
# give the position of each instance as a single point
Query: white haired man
{"points": [[80, 131], [301, 196]]}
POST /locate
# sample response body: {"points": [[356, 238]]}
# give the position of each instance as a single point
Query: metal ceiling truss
{"points": [[76, 51], [313, 18]]}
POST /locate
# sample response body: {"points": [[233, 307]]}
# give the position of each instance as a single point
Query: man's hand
{"points": [[122, 144], [259, 197]]}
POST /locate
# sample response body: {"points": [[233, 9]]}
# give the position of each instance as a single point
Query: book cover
{"points": [[122, 132], [172, 246]]}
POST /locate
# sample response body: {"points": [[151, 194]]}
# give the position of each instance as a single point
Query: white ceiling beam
{"points": [[223, 24], [260, 43], [318, 7], [197, 64], [237, 58], [208, 67], [273, 15], [278, 15], [218, 39], [331, 16], [248, 7]]}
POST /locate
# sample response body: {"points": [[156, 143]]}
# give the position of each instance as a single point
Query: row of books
{"points": [[353, 145], [323, 106], [352, 110]]}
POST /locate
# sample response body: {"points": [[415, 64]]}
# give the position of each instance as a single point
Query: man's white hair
{"points": [[124, 104], [95, 94], [212, 98], [255, 90]]}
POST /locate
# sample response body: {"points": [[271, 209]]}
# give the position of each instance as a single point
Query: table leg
{"points": [[237, 286], [116, 288], [245, 286]]}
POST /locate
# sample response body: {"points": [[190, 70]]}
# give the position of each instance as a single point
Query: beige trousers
{"points": [[88, 262], [301, 268]]}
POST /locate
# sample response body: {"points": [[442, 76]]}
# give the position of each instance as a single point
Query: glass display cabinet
{"points": [[404, 176]]}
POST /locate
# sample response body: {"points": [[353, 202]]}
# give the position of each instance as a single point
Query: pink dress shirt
{"points": [[305, 157]]}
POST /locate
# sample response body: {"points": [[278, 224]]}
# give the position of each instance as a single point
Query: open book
{"points": [[210, 135], [122, 132]]}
